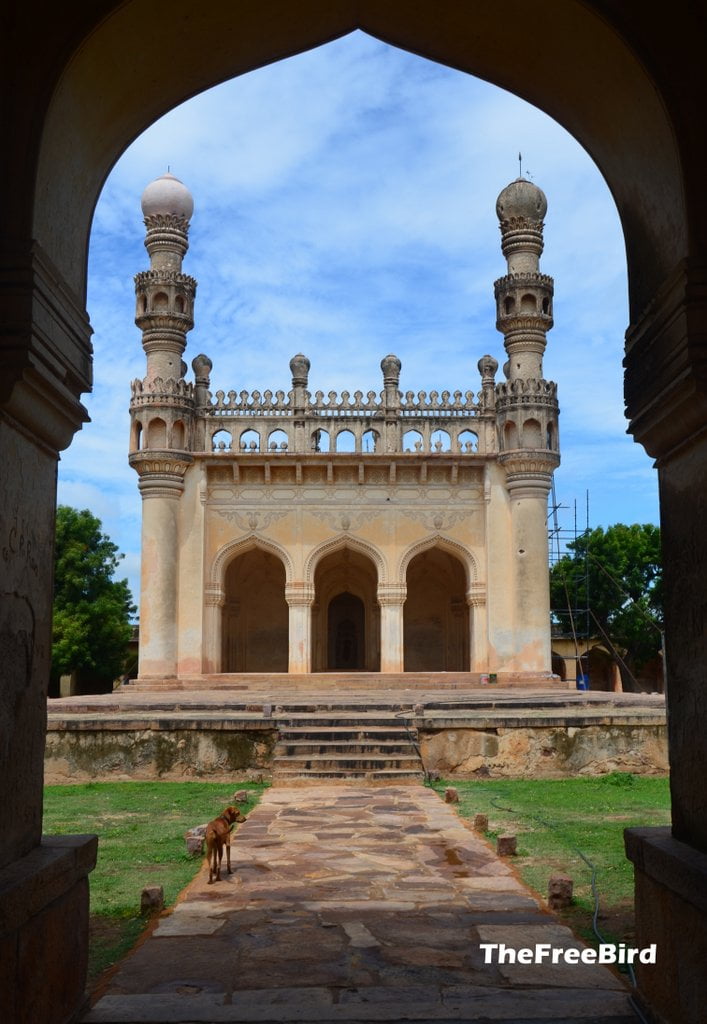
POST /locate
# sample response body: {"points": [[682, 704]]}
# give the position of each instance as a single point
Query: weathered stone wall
{"points": [[148, 754], [217, 754], [545, 752]]}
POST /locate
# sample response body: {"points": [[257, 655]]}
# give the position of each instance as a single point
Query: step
{"points": [[286, 749], [390, 775], [344, 762]]}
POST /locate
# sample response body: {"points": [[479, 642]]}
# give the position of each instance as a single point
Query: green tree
{"points": [[92, 610], [615, 574]]}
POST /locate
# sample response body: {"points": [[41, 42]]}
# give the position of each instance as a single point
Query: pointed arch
{"points": [[345, 540], [437, 540], [233, 549]]}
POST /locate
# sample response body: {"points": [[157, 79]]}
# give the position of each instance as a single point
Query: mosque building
{"points": [[391, 532]]}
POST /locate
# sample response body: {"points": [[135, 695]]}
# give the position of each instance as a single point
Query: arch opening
{"points": [[436, 620], [255, 626], [345, 616]]}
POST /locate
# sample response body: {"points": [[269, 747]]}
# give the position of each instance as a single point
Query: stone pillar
{"points": [[161, 485], [214, 600], [392, 436], [299, 367], [44, 884], [666, 399], [478, 631], [391, 600], [300, 598], [528, 489]]}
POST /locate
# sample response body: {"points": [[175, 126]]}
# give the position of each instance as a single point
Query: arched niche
{"points": [[345, 616], [436, 621], [255, 627]]}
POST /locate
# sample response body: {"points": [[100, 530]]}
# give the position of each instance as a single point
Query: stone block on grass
{"points": [[152, 899], [506, 845], [560, 892]]}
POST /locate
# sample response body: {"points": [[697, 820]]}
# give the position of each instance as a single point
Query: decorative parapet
{"points": [[526, 392], [159, 392], [302, 422]]}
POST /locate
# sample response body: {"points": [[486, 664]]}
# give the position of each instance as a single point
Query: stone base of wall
{"points": [[545, 752], [503, 746], [671, 911], [44, 931], [96, 751]]}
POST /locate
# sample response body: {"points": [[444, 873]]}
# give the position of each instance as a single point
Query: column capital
{"points": [[476, 595], [666, 368], [392, 594], [214, 596], [299, 593]]}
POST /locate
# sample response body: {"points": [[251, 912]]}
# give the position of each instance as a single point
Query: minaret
{"points": [[526, 413], [162, 415]]}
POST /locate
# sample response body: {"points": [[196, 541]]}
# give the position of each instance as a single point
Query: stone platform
{"points": [[223, 734], [357, 904]]}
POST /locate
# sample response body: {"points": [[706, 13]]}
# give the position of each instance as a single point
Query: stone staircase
{"points": [[335, 746]]}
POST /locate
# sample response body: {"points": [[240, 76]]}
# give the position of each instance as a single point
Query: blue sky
{"points": [[345, 207]]}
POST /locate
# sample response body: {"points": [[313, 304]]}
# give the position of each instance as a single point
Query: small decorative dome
{"points": [[202, 367], [487, 366], [391, 366], [167, 196], [299, 368], [521, 199]]}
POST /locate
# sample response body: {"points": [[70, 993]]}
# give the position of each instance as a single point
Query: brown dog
{"points": [[218, 835]]}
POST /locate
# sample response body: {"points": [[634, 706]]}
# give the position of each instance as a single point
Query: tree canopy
{"points": [[612, 580], [92, 610]]}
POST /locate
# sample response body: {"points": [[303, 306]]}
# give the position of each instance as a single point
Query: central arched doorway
{"points": [[436, 634], [345, 616], [346, 633], [255, 614]]}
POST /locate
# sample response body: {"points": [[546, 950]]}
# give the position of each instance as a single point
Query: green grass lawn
{"points": [[141, 828], [557, 819]]}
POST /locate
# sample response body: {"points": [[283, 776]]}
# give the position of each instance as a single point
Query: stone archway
{"points": [[345, 616], [255, 626], [436, 635], [78, 102]]}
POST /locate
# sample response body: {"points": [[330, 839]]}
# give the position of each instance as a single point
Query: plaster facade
{"points": [[386, 532]]}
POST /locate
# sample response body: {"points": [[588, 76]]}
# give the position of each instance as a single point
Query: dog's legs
{"points": [[228, 853]]}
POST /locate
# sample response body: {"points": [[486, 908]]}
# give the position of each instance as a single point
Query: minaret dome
{"points": [[167, 196], [521, 200]]}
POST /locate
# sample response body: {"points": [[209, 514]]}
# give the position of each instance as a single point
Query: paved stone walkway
{"points": [[356, 904]]}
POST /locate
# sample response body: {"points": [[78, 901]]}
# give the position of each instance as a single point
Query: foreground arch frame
{"points": [[77, 102]]}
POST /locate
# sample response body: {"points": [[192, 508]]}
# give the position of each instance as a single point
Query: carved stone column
{"points": [[391, 599], [161, 485], [666, 399], [214, 599], [300, 598], [45, 363], [529, 476], [478, 630]]}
